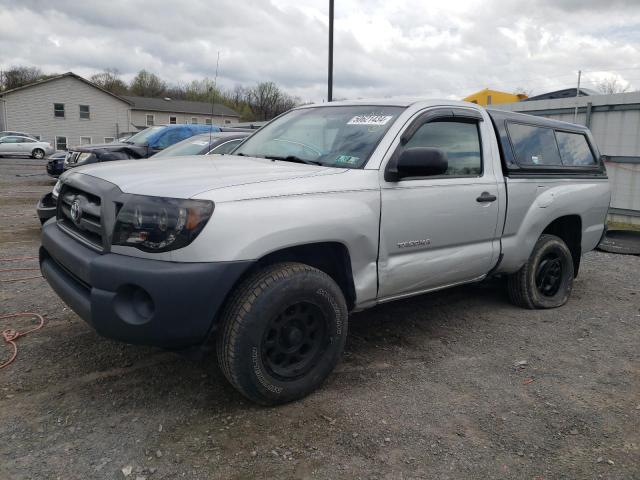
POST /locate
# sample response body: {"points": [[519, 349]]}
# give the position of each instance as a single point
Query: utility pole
{"points": [[330, 86], [213, 96], [575, 111]]}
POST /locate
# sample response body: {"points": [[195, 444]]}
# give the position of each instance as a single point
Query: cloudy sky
{"points": [[428, 48]]}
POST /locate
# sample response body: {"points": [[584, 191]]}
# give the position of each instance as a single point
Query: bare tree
{"points": [[17, 76], [147, 84], [523, 91], [266, 101], [110, 80], [611, 85]]}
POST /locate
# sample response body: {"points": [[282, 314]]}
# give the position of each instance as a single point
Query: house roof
{"points": [[179, 106], [564, 93], [64, 75]]}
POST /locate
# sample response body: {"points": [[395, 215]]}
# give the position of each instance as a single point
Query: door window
{"points": [[460, 140]]}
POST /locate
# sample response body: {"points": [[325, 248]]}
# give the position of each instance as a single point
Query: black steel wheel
{"points": [[546, 280], [549, 274], [37, 153], [294, 340], [282, 333]]}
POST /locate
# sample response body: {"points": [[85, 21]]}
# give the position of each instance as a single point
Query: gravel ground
{"points": [[453, 385]]}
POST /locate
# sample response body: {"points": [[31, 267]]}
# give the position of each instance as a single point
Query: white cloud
{"points": [[406, 47]]}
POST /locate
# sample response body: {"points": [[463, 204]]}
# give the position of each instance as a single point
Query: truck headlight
{"points": [[155, 224]]}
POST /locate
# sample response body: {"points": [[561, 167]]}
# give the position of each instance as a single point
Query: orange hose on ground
{"points": [[10, 336]]}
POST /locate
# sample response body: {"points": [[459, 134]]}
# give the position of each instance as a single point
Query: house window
{"points": [[489, 99], [173, 120], [194, 120], [58, 110], [61, 143], [84, 112], [85, 140], [150, 120], [37, 137], [227, 121], [108, 139], [207, 121]]}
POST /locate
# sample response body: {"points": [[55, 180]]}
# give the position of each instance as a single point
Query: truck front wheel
{"points": [[282, 333], [545, 281]]}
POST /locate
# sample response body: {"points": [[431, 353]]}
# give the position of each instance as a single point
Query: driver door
{"points": [[441, 230]]}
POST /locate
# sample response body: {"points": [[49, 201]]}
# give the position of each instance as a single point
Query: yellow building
{"points": [[494, 97]]}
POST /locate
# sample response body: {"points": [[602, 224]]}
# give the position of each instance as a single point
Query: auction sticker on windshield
{"points": [[370, 120]]}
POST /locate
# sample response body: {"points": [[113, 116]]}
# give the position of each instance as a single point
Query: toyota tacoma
{"points": [[328, 209]]}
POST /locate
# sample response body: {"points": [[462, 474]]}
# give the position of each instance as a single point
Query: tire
{"points": [[37, 153], [282, 333], [546, 280]]}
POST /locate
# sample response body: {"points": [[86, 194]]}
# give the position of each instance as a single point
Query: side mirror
{"points": [[418, 162]]}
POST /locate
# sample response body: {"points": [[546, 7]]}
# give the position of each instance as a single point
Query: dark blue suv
{"points": [[141, 145]]}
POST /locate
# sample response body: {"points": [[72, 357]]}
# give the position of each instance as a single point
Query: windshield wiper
{"points": [[293, 158]]}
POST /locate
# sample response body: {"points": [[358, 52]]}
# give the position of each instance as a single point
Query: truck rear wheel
{"points": [[545, 281], [282, 333]]}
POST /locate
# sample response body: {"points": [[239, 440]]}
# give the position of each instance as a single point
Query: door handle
{"points": [[486, 197]]}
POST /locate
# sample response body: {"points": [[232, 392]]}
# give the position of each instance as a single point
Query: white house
{"points": [[68, 110], [65, 110]]}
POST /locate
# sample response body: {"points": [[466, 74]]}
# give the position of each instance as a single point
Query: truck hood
{"points": [[186, 177]]}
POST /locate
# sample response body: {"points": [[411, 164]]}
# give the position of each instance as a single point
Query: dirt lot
{"points": [[428, 387]]}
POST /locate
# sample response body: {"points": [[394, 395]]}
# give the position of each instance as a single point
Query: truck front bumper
{"points": [[136, 300]]}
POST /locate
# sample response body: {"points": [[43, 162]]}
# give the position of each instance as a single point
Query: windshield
{"points": [[332, 136], [142, 138], [190, 146]]}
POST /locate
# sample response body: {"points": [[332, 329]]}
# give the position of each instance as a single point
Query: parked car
{"points": [[8, 133], [24, 146], [144, 144], [326, 210], [55, 164], [219, 143]]}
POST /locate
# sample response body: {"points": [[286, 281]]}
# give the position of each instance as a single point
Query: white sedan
{"points": [[18, 145]]}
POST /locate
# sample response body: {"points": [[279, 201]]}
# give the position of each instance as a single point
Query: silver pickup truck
{"points": [[326, 210]]}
